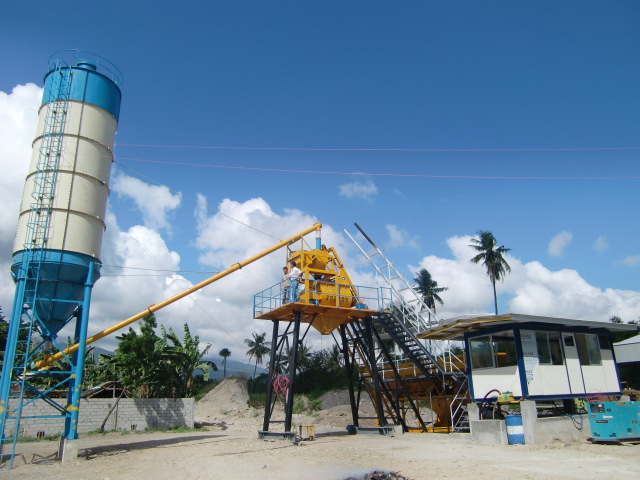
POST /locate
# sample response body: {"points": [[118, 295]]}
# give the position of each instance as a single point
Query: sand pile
{"points": [[228, 400], [336, 410]]}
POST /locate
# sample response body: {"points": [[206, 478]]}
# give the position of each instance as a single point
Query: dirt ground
{"points": [[229, 448]]}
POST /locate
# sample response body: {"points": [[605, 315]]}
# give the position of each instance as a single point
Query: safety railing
{"points": [[72, 57], [322, 293]]}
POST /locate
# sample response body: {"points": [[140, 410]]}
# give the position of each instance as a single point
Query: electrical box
{"points": [[614, 421]]}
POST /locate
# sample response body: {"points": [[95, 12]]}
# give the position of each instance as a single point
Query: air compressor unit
{"points": [[614, 422]]}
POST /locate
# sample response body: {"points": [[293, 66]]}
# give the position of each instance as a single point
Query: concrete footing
{"points": [[389, 430], [266, 435], [537, 431], [68, 450]]}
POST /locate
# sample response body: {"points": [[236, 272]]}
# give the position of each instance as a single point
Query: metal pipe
{"points": [[154, 308]]}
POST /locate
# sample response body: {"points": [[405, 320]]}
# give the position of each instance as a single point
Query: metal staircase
{"points": [[442, 372], [396, 398], [409, 344], [17, 369]]}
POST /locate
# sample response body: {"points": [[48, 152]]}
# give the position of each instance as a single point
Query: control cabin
{"points": [[534, 357]]}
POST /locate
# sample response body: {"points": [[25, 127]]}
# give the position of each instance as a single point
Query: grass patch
{"points": [[257, 400], [46, 438], [110, 433], [302, 404]]}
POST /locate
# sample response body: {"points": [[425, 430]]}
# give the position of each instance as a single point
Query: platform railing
{"points": [[323, 293]]}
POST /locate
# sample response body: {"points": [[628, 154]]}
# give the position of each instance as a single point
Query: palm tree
{"points": [[429, 289], [335, 359], [224, 353], [492, 258], [257, 348], [303, 358]]}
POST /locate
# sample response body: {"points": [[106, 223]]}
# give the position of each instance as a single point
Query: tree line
{"points": [[316, 371]]}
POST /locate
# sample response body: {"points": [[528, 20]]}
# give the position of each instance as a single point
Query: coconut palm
{"points": [[335, 359], [429, 289], [303, 358], [224, 353], [492, 258], [257, 348]]}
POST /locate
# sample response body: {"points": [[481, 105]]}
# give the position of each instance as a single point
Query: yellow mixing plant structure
{"points": [[326, 296], [374, 332]]}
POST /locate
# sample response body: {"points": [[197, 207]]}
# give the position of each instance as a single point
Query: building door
{"points": [[572, 361]]}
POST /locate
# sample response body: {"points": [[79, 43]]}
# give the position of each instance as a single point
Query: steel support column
{"points": [[78, 359], [375, 375], [293, 363], [349, 365], [271, 375]]}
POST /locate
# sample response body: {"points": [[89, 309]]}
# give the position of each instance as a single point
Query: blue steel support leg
{"points": [[77, 371], [10, 350]]}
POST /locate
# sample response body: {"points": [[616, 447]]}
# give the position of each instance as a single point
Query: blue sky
{"points": [[422, 121]]}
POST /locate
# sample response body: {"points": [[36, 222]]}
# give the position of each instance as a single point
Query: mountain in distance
{"points": [[234, 367], [97, 351]]}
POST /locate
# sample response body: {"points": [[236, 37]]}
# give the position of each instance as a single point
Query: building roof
{"points": [[628, 350], [455, 328], [628, 341]]}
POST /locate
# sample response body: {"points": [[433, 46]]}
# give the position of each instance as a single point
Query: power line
{"points": [[195, 201], [322, 149], [370, 174]]}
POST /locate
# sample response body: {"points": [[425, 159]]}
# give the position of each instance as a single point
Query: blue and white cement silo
{"points": [[56, 258]]}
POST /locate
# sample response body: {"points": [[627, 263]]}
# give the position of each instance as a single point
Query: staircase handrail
{"points": [[414, 316]]}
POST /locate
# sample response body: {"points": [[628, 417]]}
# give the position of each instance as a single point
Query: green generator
{"points": [[614, 422]]}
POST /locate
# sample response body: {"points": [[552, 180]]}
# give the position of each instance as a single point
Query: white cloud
{"points": [[600, 244], [469, 289], [365, 190], [530, 289], [631, 261], [18, 123], [559, 243], [400, 238], [155, 202], [224, 242]]}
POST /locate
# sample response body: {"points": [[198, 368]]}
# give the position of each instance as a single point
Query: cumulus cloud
{"points": [[155, 202], [399, 237], [600, 244], [558, 243], [365, 190], [469, 289], [18, 123], [531, 289], [224, 239]]}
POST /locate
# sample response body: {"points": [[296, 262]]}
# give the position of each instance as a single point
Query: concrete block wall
{"points": [[129, 414]]}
